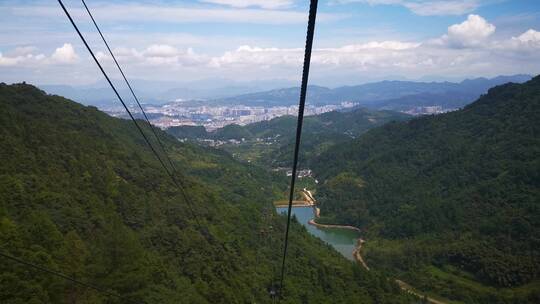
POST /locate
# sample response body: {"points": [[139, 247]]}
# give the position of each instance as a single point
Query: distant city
{"points": [[215, 117], [165, 110]]}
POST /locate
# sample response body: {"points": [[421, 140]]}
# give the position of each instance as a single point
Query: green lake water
{"points": [[343, 240]]}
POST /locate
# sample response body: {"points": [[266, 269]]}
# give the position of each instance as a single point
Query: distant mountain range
{"points": [[382, 95], [159, 92], [390, 95]]}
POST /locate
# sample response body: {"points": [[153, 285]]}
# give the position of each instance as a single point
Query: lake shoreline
{"points": [[357, 251], [312, 222], [357, 255], [310, 202]]}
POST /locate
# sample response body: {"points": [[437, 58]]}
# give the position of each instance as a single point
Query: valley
{"points": [[80, 193], [410, 184], [263, 152], [362, 166]]}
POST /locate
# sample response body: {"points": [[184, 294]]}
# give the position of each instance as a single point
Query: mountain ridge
{"points": [[370, 94], [209, 93]]}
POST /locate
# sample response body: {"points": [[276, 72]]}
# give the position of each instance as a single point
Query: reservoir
{"points": [[343, 240]]}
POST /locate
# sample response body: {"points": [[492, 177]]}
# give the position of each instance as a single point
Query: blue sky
{"points": [[356, 41]]}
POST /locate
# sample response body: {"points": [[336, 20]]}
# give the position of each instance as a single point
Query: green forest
{"points": [[447, 203], [450, 202], [81, 193], [270, 143]]}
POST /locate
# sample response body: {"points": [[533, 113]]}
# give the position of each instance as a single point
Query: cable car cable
{"points": [[302, 102], [127, 83], [179, 185]]}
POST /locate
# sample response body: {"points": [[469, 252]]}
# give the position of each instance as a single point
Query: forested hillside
{"points": [[270, 143], [81, 193], [188, 132], [450, 202]]}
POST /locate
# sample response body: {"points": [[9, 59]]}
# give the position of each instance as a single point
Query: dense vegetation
{"points": [[189, 132], [449, 202], [270, 143], [81, 193]]}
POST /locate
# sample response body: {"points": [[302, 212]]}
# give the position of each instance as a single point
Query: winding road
{"points": [[310, 201]]}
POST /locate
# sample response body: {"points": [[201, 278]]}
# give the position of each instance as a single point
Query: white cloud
{"points": [[531, 37], [156, 55], [19, 55], [22, 51], [441, 8], [266, 4], [375, 59], [102, 57], [177, 14], [383, 45], [163, 54], [470, 33], [427, 7], [246, 56], [467, 49], [65, 54], [161, 50], [523, 45], [21, 59], [9, 61], [29, 56], [474, 28], [355, 56]]}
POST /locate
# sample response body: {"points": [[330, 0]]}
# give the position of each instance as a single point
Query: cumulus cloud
{"points": [[472, 32], [163, 54], [21, 60], [473, 36], [293, 57], [383, 54], [22, 51], [161, 51], [9, 61], [266, 4], [530, 37], [245, 56], [526, 43], [65, 54], [29, 56], [21, 55], [427, 7], [467, 48], [156, 55]]}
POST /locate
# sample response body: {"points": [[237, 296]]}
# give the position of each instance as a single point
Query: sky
{"points": [[356, 41]]}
